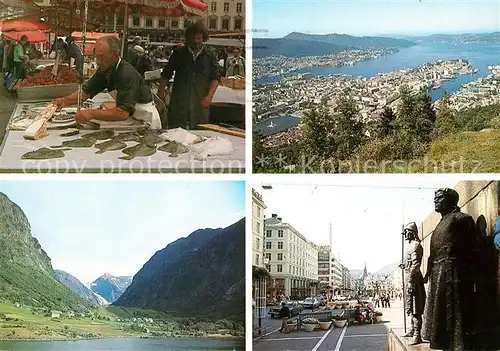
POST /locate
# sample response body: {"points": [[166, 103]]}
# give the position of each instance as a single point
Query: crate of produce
{"points": [[45, 92], [46, 86]]}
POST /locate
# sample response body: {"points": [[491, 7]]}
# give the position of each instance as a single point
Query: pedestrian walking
{"points": [[284, 314]]}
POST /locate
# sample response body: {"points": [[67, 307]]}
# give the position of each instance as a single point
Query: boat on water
{"points": [[271, 125]]}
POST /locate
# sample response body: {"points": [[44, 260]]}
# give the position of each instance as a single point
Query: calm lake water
{"points": [[276, 124], [480, 57], [124, 345]]}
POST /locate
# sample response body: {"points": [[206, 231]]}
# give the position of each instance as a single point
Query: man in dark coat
{"points": [[449, 319], [195, 82], [414, 282]]}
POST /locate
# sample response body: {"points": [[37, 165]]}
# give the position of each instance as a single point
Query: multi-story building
{"points": [[258, 208], [336, 274], [223, 16], [347, 287], [397, 281], [324, 253], [333, 276], [293, 259]]}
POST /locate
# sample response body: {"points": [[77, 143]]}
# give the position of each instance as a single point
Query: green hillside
{"points": [[26, 274]]}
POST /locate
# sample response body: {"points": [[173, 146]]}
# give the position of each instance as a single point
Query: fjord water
{"points": [[479, 55], [124, 344]]}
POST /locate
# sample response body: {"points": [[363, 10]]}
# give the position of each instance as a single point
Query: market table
{"points": [[85, 160]]}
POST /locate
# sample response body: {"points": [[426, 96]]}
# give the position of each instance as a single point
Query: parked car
{"points": [[311, 303], [295, 309], [322, 301]]}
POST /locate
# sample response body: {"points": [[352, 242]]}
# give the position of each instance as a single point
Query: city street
{"points": [[371, 337]]}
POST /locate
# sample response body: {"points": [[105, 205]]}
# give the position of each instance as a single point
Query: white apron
{"points": [[148, 113]]}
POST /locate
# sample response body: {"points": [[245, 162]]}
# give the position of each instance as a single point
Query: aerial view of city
{"points": [[386, 87]]}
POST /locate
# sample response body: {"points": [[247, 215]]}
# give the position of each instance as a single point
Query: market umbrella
{"points": [[33, 36], [23, 26]]}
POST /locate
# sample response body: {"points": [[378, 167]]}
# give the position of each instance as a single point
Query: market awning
{"points": [[224, 42], [165, 8], [92, 36], [23, 26], [33, 36]]}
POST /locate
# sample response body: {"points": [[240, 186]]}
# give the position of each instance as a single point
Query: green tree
{"points": [[331, 137], [385, 126], [445, 120], [349, 128]]}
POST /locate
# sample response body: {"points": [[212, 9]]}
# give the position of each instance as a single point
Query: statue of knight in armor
{"points": [[414, 282]]}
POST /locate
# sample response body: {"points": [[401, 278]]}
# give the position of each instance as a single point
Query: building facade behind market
{"points": [[223, 16]]}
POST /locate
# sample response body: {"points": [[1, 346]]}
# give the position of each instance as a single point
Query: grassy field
{"points": [[21, 323], [107, 322]]}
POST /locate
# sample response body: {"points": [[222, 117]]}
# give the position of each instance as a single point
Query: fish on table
{"points": [[82, 142], [100, 135], [44, 154], [174, 148], [110, 145], [138, 150]]}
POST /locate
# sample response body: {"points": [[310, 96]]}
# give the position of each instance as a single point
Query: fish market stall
{"points": [[39, 139]]}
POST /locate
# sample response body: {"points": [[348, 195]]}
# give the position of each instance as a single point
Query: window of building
{"points": [[212, 23], [279, 268], [280, 233], [162, 23], [239, 7], [258, 244], [225, 24], [136, 21], [213, 6], [280, 256], [257, 261], [268, 245], [226, 7], [120, 20], [174, 24], [268, 267], [258, 211], [280, 245], [269, 233], [258, 228], [268, 256], [149, 22], [238, 24]]}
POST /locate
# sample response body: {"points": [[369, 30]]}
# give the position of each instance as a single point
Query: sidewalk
{"points": [[394, 315]]}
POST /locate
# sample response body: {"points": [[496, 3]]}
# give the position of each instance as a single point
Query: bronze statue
{"points": [[414, 282], [449, 320]]}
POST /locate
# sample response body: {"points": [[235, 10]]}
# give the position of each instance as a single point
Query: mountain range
{"points": [[298, 44], [110, 287], [81, 290], [473, 38], [201, 275]]}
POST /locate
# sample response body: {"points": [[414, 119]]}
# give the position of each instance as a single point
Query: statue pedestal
{"points": [[397, 342]]}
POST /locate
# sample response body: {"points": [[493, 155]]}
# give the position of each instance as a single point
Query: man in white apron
{"points": [[133, 95]]}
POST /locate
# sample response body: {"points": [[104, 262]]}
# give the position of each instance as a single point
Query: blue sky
{"points": [[373, 17], [89, 228], [366, 213]]}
